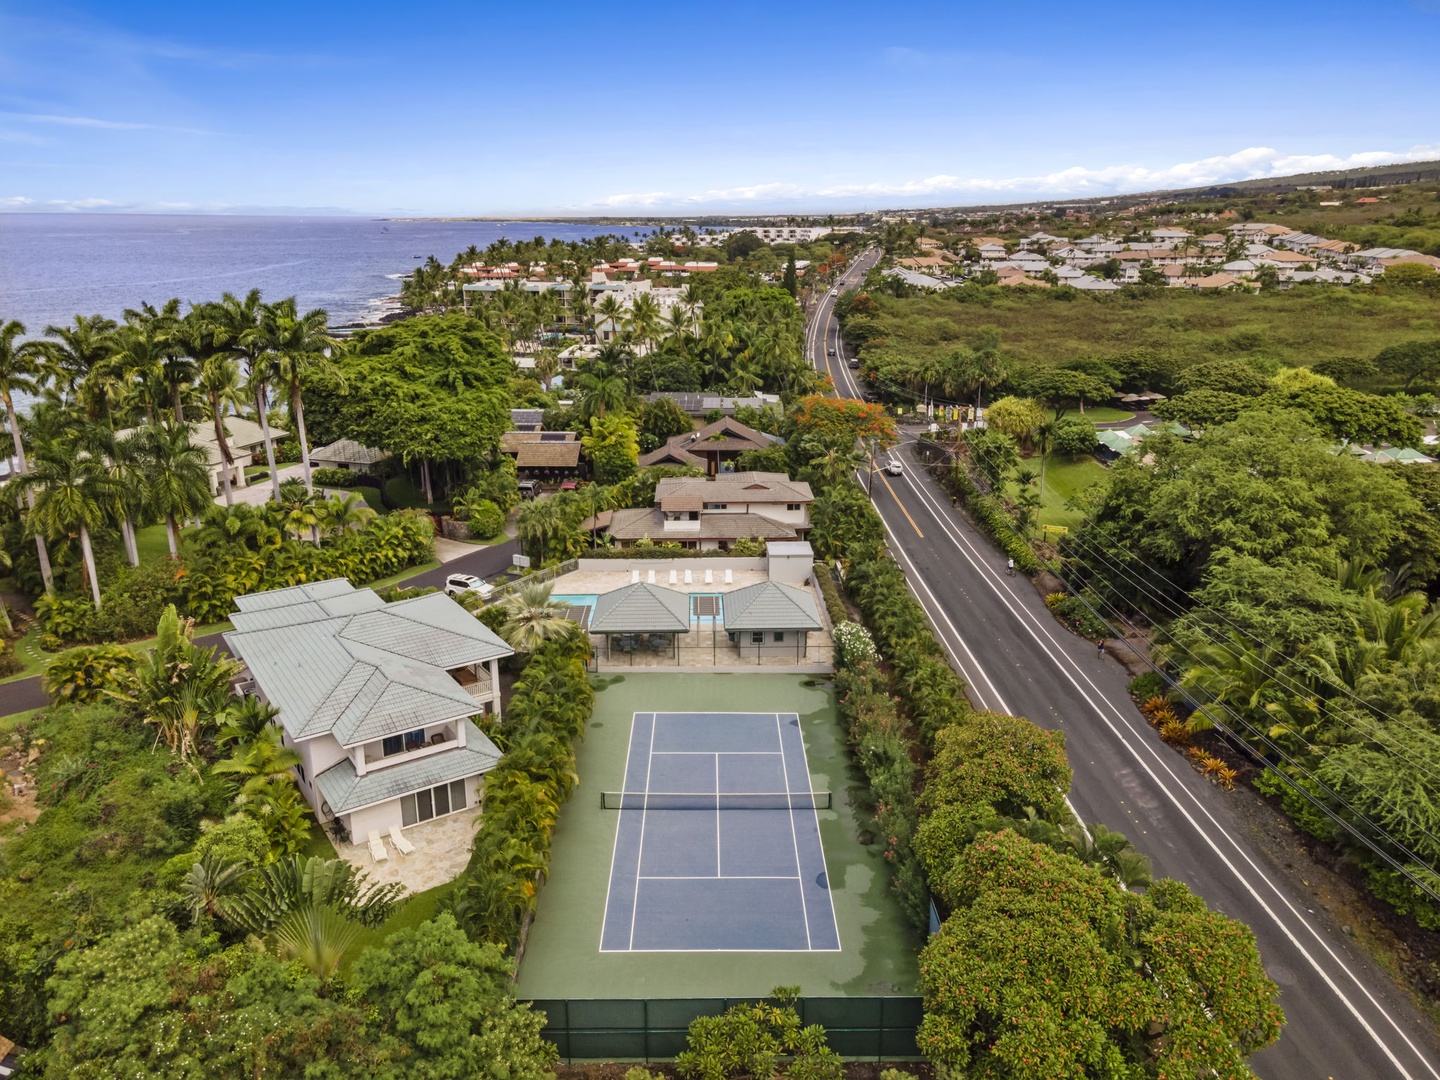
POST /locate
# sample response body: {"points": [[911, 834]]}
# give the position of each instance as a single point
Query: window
{"points": [[717, 506], [757, 637], [301, 770], [779, 636], [395, 744], [792, 506], [432, 803], [414, 740]]}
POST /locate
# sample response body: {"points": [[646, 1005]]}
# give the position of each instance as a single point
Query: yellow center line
{"points": [[898, 503]]}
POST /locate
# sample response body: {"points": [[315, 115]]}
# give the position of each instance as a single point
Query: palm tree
{"points": [[297, 506], [179, 476], [241, 320], [215, 889], [261, 757], [79, 348], [644, 320], [220, 383], [300, 345], [609, 309], [531, 619], [71, 490], [20, 368], [342, 512], [539, 522], [600, 395], [125, 469]]}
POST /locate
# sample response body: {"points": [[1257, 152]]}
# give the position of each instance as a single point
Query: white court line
{"points": [[824, 866], [717, 815], [707, 753], [720, 877], [794, 836], [640, 847], [679, 951], [1133, 742], [615, 847]]}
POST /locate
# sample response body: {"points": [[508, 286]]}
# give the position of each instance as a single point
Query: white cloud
{"points": [[1248, 164], [15, 200], [82, 121]]}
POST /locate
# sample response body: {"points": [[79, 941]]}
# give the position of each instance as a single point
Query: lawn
{"points": [[1065, 478], [403, 492], [152, 544], [1096, 414], [419, 908]]}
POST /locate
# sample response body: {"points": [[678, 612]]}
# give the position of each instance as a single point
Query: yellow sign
{"points": [[1055, 530]]}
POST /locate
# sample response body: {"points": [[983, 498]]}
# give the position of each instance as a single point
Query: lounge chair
{"points": [[634, 577], [405, 847], [689, 577], [729, 578], [377, 848], [709, 577], [650, 577], [672, 576]]}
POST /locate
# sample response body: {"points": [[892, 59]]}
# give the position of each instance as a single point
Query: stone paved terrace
{"points": [[442, 848]]}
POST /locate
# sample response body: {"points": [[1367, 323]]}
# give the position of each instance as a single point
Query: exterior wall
{"points": [[316, 756], [790, 648], [376, 818], [791, 569]]}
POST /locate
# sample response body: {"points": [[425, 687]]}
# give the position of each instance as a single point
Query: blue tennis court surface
{"points": [[715, 878]]}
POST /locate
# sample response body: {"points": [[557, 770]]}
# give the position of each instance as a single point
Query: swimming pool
{"points": [[576, 599]]}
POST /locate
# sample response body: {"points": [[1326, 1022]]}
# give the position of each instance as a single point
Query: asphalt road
{"points": [[1345, 1017]]}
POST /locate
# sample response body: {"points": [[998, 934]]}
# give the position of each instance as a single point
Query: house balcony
{"points": [[478, 684]]}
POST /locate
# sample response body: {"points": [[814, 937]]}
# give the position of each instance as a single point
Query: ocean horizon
{"points": [[55, 266]]}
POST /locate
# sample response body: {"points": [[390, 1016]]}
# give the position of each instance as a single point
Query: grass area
{"points": [[1065, 478], [371, 495], [1097, 414], [14, 720], [395, 579], [319, 843], [417, 909], [151, 543], [1294, 328], [29, 653], [405, 493]]}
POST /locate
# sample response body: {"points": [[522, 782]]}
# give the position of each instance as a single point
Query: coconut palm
{"points": [[340, 513], [300, 346], [178, 475], [125, 468], [71, 492], [20, 368], [609, 309], [531, 618], [537, 524], [643, 321], [77, 349], [220, 383], [599, 395], [249, 344]]}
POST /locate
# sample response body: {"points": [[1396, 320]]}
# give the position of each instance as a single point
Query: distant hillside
{"points": [[1415, 172]]}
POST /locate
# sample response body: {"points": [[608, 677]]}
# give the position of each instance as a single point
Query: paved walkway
{"points": [[442, 848]]}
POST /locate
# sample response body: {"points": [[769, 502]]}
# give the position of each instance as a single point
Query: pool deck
{"points": [[563, 959]]}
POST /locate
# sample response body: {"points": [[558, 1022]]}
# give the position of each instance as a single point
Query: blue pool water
{"points": [[576, 599]]}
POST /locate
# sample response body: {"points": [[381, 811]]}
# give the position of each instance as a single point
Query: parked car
{"points": [[893, 467], [529, 488], [458, 585], [569, 485]]}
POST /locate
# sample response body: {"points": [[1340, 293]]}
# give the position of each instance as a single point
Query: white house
{"points": [[709, 514], [377, 698], [244, 438]]}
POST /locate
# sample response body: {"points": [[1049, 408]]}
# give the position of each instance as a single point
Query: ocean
{"points": [[53, 266]]}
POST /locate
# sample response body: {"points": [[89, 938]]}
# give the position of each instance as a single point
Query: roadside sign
{"points": [[1055, 530], [522, 561]]}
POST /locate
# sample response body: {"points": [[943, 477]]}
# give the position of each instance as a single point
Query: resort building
{"points": [[347, 454], [246, 442], [543, 455], [377, 699], [711, 514], [713, 447]]}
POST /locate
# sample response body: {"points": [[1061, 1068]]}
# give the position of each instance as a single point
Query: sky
{"points": [[582, 109]]}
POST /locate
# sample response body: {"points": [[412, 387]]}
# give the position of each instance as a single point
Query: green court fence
{"points": [[651, 1029]]}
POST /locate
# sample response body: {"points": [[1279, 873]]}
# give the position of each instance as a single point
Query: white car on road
{"points": [[458, 585], [893, 467]]}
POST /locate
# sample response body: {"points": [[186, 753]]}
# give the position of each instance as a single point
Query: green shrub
{"points": [[91, 673], [1147, 686], [752, 1039], [834, 606], [1076, 614], [485, 520], [69, 618], [333, 478]]}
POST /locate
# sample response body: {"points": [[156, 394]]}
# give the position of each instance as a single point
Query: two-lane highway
{"points": [[1345, 1017]]}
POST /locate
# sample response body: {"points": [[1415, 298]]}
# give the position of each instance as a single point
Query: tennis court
{"points": [[717, 841]]}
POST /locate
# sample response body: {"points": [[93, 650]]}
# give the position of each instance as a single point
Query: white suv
{"points": [[459, 584]]}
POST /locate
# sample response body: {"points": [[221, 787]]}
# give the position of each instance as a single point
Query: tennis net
{"points": [[709, 800]]}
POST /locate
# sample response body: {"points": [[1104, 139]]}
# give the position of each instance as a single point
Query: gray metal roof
{"points": [[348, 452], [771, 606], [345, 790], [642, 608], [364, 673]]}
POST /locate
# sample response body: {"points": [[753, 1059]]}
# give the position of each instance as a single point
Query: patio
{"points": [[442, 848]]}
